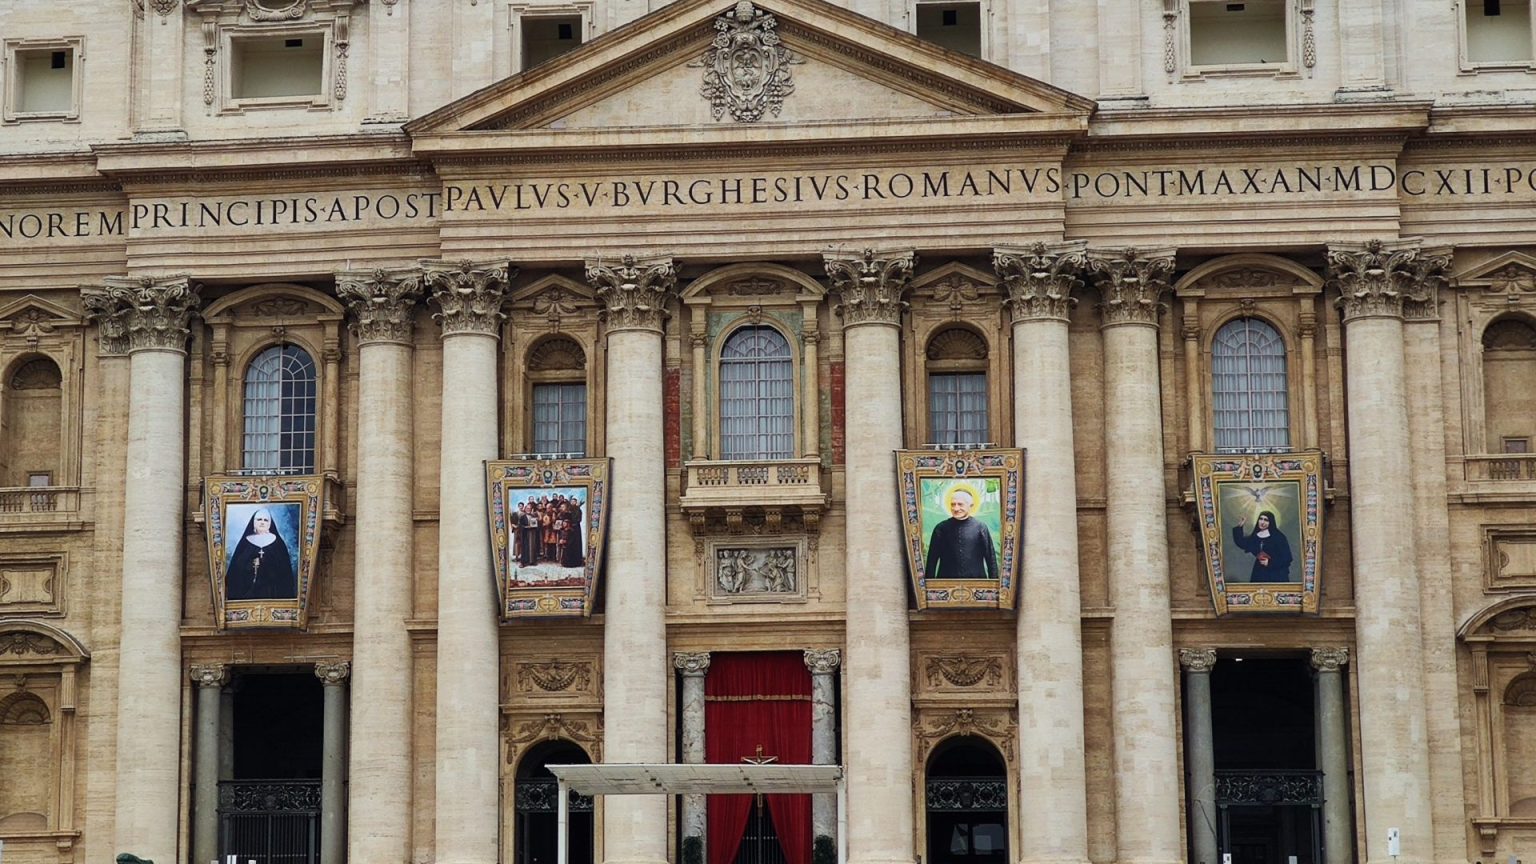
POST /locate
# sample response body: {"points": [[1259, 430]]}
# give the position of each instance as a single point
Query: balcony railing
{"points": [[965, 794], [1269, 788], [39, 499], [767, 483], [270, 821], [1503, 466]]}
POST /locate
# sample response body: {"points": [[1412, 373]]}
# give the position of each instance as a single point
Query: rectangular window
{"points": [[545, 37], [43, 79], [560, 418], [1242, 33], [277, 67], [956, 26], [957, 408], [40, 478], [1517, 445], [1498, 32]]}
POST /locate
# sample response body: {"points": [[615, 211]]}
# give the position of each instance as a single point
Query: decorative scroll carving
{"points": [[746, 70], [754, 287], [553, 676], [164, 8], [635, 291], [1429, 274], [964, 671], [209, 674], [870, 285], [23, 643], [551, 726], [1507, 622], [1131, 283], [1197, 660], [333, 674], [959, 796], [269, 796], [1329, 659], [823, 662], [693, 664], [259, 11], [279, 307], [1378, 279], [1040, 278], [1512, 278], [756, 570], [554, 303], [382, 303], [153, 311], [1269, 788], [956, 291], [996, 725], [471, 297]]}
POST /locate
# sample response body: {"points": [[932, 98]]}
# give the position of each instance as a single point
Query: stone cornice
{"points": [[1039, 278], [470, 297], [1131, 283], [150, 313], [870, 285], [381, 303], [1381, 279], [634, 291]]}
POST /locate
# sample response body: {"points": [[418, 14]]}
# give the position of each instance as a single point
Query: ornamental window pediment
{"points": [[41, 354], [265, 54], [551, 351], [953, 362]]}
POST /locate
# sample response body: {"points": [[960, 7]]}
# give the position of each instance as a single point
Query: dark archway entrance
{"points": [[269, 797], [536, 805], [967, 803]]}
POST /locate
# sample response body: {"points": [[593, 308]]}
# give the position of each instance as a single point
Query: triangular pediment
{"points": [[1512, 273], [752, 66], [33, 314]]}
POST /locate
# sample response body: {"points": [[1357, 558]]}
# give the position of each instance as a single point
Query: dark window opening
{"points": [[269, 805], [546, 37], [537, 803], [956, 26], [967, 803]]}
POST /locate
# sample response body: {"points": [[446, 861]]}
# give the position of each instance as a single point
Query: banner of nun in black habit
{"points": [[548, 520], [1261, 528], [262, 537]]}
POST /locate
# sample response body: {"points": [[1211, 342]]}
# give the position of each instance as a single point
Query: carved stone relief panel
{"points": [[521, 731], [1509, 557], [569, 680], [756, 569], [33, 585], [998, 725]]}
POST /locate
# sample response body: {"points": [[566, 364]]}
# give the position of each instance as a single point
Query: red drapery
{"points": [[752, 699]]}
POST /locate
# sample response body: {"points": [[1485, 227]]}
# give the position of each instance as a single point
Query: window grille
{"points": [[757, 396], [957, 408], [560, 418], [1248, 388], [280, 412]]}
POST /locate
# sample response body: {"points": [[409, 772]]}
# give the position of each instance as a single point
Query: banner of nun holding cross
{"points": [[263, 533]]}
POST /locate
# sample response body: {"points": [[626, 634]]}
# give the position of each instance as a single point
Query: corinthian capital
{"points": [[142, 313], [471, 297], [1131, 283], [870, 284], [691, 664], [209, 674], [1378, 279], [1329, 659], [1197, 659], [634, 291], [823, 662], [1039, 278], [382, 302]]}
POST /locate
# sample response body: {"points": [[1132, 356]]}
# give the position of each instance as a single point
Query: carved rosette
{"points": [[110, 318], [153, 312], [870, 285], [382, 303], [1197, 660], [634, 291], [209, 674], [1387, 280], [1329, 659], [1131, 283], [746, 69], [692, 665], [823, 662], [470, 297], [333, 674], [1039, 278]]}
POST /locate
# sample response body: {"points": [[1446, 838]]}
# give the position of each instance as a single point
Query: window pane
{"points": [[957, 408], [757, 396], [560, 418], [1249, 396], [280, 412]]}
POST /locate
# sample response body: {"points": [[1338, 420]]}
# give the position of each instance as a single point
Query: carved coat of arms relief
{"points": [[746, 69]]}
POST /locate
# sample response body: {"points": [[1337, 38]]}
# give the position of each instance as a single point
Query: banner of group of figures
{"points": [[1260, 520]]}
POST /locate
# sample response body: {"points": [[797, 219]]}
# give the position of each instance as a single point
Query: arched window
{"points": [[1509, 385], [557, 368], [967, 802], [1249, 399], [280, 411], [30, 424], [757, 396], [957, 388]]}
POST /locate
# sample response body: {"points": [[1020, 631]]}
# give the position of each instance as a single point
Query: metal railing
{"points": [[965, 794], [1269, 788], [270, 821]]}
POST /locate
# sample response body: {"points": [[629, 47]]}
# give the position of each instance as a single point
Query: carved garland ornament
{"points": [[471, 298], [634, 292], [553, 677], [870, 285], [1040, 278], [153, 311], [964, 671], [553, 726], [746, 70], [28, 643]]}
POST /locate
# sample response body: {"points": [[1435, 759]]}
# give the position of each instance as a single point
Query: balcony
{"points": [[736, 492], [39, 507], [276, 821], [1498, 478], [1503, 466]]}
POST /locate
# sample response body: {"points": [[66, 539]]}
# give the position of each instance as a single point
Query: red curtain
{"points": [[757, 699]]}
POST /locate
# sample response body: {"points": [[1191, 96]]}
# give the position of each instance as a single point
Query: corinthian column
{"points": [[634, 292], [1039, 280], [470, 299], [1131, 285], [383, 306], [878, 674], [154, 314], [823, 666], [1373, 282]]}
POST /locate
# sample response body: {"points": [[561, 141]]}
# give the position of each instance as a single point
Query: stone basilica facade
{"points": [[745, 252]]}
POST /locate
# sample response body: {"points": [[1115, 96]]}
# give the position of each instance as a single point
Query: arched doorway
{"points": [[967, 803], [536, 804]]}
